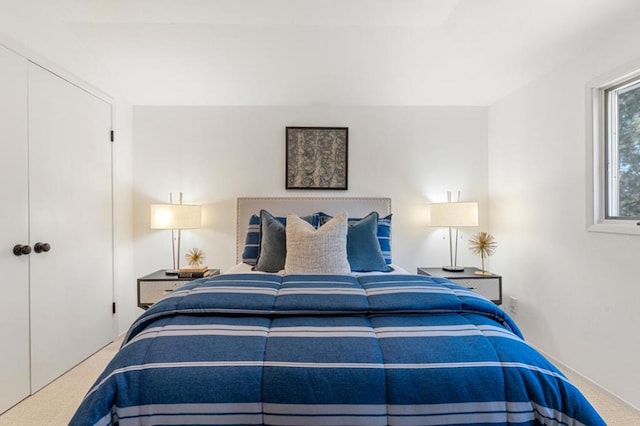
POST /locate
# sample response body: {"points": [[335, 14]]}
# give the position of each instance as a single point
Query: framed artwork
{"points": [[317, 157]]}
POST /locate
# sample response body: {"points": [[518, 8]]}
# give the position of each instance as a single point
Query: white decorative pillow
{"points": [[317, 251]]}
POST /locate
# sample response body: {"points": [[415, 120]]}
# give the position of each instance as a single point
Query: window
{"points": [[622, 150], [613, 160]]}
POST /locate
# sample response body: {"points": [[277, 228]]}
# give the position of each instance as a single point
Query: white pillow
{"points": [[317, 251]]}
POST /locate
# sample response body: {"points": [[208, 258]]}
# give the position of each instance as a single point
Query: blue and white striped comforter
{"points": [[252, 349]]}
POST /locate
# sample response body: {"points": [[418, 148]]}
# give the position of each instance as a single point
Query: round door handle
{"points": [[41, 247], [19, 249]]}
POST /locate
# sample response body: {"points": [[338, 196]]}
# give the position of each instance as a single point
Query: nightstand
{"points": [[153, 287], [490, 286]]}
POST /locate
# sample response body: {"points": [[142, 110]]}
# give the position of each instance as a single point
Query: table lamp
{"points": [[453, 215], [175, 217]]}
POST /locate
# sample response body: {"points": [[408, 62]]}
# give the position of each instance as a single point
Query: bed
{"points": [[291, 347]]}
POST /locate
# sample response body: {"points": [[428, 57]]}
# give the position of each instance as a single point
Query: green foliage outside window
{"points": [[629, 153]]}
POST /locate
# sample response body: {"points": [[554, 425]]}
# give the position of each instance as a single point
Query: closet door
{"points": [[14, 229], [71, 210]]}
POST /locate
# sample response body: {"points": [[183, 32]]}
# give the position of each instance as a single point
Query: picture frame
{"points": [[317, 158]]}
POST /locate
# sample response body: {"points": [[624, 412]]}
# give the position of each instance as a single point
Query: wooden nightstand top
{"points": [[160, 275], [469, 272]]}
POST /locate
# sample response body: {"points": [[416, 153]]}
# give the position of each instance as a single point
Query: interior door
{"points": [[71, 210], [14, 229]]}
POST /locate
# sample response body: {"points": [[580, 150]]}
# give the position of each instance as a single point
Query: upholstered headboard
{"points": [[281, 206]]}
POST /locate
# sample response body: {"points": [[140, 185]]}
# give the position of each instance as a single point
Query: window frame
{"points": [[598, 153], [612, 175]]}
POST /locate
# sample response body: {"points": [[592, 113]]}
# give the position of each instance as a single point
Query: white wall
{"points": [[33, 32], [216, 154], [577, 291]]}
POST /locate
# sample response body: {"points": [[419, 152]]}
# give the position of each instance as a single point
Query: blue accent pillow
{"points": [[363, 250], [383, 233], [384, 237], [252, 241]]}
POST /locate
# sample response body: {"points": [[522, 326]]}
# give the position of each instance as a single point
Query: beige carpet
{"points": [[55, 404], [612, 410]]}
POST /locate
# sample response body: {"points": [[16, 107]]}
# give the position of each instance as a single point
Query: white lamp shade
{"points": [[175, 216], [453, 214]]}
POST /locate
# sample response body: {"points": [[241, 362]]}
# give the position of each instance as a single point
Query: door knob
{"points": [[41, 247], [19, 249]]}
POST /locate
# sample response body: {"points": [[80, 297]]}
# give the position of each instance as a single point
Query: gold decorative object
{"points": [[195, 257], [484, 245]]}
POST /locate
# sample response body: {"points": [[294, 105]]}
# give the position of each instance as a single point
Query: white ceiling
{"points": [[327, 52]]}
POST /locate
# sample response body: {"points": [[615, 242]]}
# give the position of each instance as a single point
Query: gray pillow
{"points": [[321, 251], [273, 247]]}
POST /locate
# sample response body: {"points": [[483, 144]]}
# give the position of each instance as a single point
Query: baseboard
{"points": [[601, 388]]}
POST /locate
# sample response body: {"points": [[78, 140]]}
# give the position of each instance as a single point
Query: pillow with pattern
{"points": [[317, 251]]}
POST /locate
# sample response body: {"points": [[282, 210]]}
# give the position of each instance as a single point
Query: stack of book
{"points": [[194, 272]]}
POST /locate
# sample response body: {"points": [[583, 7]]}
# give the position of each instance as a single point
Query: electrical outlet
{"points": [[513, 305]]}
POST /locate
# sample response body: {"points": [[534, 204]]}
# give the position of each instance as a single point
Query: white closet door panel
{"points": [[14, 229], [71, 209]]}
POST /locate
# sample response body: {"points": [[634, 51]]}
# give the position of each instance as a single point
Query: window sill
{"points": [[616, 227]]}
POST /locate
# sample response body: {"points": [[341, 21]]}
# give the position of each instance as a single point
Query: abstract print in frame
{"points": [[317, 157]]}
